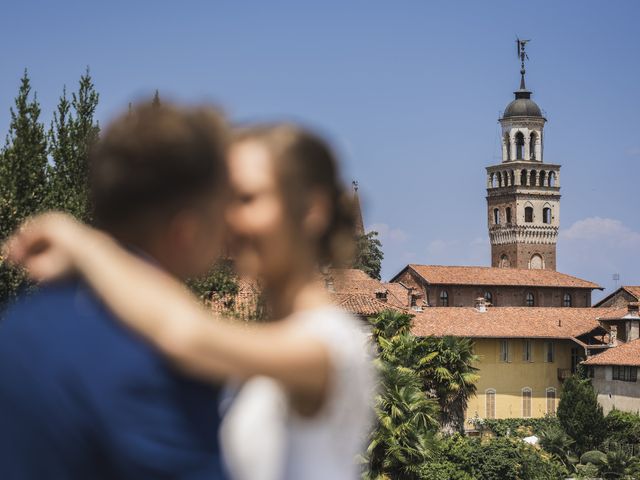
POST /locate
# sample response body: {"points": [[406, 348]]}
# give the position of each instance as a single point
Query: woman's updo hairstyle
{"points": [[305, 163]]}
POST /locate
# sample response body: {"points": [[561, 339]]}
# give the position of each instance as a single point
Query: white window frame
{"points": [[487, 393], [530, 398], [555, 400]]}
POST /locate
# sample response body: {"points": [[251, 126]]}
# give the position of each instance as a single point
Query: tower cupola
{"points": [[523, 192]]}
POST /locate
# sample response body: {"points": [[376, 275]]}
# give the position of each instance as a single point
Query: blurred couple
{"points": [[112, 370]]}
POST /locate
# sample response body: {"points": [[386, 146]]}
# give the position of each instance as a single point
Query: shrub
{"points": [[622, 427], [594, 457], [502, 458]]}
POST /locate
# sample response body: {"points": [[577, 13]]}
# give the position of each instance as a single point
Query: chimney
{"points": [[329, 285], [481, 304], [613, 336]]}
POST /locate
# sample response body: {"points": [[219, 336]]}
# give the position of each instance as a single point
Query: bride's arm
{"points": [[160, 309]]}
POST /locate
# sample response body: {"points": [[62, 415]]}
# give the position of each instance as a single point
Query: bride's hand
{"points": [[47, 245]]}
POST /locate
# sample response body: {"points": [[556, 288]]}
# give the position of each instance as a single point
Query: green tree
{"points": [[369, 255], [220, 279], [623, 427], [448, 369], [406, 433], [554, 440], [73, 132], [23, 179], [501, 458], [580, 414]]}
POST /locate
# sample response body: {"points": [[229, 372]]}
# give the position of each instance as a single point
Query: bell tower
{"points": [[523, 192]]}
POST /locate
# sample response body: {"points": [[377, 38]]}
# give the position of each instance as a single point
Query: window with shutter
{"points": [[526, 402], [551, 401], [490, 403]]}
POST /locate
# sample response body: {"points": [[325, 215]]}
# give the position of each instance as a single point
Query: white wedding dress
{"points": [[264, 439]]}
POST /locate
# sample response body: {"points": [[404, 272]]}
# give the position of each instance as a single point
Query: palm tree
{"points": [[554, 440], [405, 437], [448, 369], [407, 424]]}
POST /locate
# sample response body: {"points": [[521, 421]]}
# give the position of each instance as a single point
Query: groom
{"points": [[82, 398]]}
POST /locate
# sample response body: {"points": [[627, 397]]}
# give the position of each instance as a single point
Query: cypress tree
{"points": [[23, 174], [580, 414], [72, 134]]}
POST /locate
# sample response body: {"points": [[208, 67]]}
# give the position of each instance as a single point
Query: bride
{"points": [[304, 404]]}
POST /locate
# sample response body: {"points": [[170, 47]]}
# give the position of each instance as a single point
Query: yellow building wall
{"points": [[508, 379]]}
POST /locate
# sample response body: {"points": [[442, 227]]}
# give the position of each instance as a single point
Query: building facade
{"points": [[524, 354], [621, 297], [614, 372], [459, 286]]}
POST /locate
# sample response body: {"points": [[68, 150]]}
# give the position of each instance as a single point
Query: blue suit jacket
{"points": [[83, 398]]}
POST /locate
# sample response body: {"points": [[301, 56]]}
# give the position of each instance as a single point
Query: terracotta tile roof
{"points": [[632, 290], [243, 304], [507, 322], [353, 290], [361, 304], [627, 354], [459, 275], [613, 314], [351, 280]]}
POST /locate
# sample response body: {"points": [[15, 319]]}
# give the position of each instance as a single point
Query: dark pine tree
{"points": [[369, 254], [580, 414], [23, 175], [84, 133]]}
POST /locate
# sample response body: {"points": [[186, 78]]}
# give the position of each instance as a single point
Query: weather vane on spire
{"points": [[522, 55], [355, 185]]}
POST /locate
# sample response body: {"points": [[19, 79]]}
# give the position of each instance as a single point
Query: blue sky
{"points": [[408, 91]]}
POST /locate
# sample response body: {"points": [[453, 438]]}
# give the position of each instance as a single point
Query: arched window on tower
{"points": [[523, 177], [552, 179], [507, 143], [533, 181], [546, 215], [543, 178], [488, 297], [530, 300], [528, 214], [504, 261], [493, 180], [508, 215], [444, 298], [532, 145], [512, 177], [536, 262], [519, 146], [496, 216]]}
